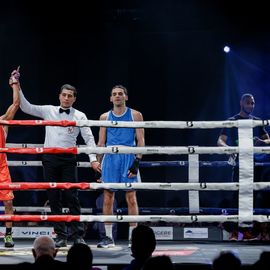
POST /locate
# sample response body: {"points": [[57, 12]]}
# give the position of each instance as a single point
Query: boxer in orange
{"points": [[6, 196]]}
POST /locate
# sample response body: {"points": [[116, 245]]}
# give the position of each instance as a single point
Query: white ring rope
{"points": [[136, 124], [159, 124], [170, 218], [177, 186], [169, 150]]}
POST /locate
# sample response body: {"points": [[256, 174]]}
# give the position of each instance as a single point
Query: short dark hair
{"points": [[121, 87], [80, 256], [226, 260], [247, 95], [69, 87], [143, 241]]}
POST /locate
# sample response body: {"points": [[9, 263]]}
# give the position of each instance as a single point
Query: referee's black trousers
{"points": [[63, 168]]}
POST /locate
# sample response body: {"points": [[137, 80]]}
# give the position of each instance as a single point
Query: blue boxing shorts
{"points": [[115, 168]]}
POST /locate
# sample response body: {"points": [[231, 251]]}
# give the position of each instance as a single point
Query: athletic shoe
{"points": [[9, 243], [79, 241], [60, 242], [106, 242]]}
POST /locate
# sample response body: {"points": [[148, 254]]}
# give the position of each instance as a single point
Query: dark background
{"points": [[169, 54]]}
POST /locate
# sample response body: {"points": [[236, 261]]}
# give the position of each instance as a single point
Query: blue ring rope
{"points": [[185, 211], [183, 163]]}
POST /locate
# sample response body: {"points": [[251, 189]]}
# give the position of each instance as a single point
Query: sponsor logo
{"points": [[194, 218], [14, 185], [152, 150], [38, 121], [229, 123], [201, 233], [29, 232], [128, 185], [43, 217], [224, 212], [119, 217], [265, 122], [156, 218], [231, 151], [27, 251], [115, 149], [203, 185], [165, 185], [115, 123], [39, 150], [150, 124], [163, 233], [71, 130]]}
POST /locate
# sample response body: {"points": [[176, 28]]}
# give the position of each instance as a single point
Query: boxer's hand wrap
{"points": [[135, 166], [97, 176]]}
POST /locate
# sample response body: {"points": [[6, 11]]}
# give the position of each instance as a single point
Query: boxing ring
{"points": [[180, 244]]}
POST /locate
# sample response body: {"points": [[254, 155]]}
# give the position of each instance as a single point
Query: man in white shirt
{"points": [[62, 167]]}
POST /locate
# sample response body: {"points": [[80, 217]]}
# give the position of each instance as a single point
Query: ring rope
{"points": [[170, 150], [131, 218], [245, 150], [144, 210], [203, 186], [175, 163], [134, 124], [31, 145]]}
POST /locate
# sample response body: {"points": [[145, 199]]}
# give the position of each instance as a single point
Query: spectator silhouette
{"points": [[44, 252], [158, 262], [226, 260], [143, 243], [263, 263], [80, 256]]}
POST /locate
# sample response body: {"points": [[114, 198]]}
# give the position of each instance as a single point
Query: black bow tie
{"points": [[67, 111]]}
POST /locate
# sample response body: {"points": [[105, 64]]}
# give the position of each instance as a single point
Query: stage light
{"points": [[226, 49]]}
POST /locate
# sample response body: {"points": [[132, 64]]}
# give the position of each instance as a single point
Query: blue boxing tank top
{"points": [[120, 136]]}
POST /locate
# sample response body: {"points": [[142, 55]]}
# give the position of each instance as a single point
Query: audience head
{"points": [[158, 262], [80, 257], [44, 245], [226, 260], [264, 262], [143, 242]]}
